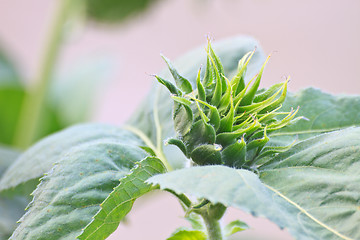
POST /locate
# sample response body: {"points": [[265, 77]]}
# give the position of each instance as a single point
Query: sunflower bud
{"points": [[225, 121]]}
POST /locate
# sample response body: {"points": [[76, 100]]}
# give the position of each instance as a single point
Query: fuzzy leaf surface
{"points": [[312, 189], [70, 194], [11, 208], [41, 157], [321, 177], [120, 201], [325, 112]]}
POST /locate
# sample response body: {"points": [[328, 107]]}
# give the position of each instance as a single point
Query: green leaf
{"points": [[231, 187], [70, 194], [229, 50], [41, 157], [311, 189], [11, 208], [114, 11], [120, 201], [184, 234], [325, 113], [320, 177], [234, 227]]}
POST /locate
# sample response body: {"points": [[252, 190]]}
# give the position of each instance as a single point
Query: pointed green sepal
{"points": [[169, 86], [259, 97], [214, 116], [180, 81], [249, 96], [226, 124], [183, 118], [207, 155], [209, 71], [235, 154], [258, 143], [227, 138], [182, 100], [204, 118], [225, 100], [201, 133], [219, 67], [200, 88], [178, 143], [238, 81], [215, 100], [149, 150]]}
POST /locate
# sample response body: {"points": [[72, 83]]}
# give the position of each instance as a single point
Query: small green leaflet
{"points": [[184, 234], [120, 201], [234, 227]]}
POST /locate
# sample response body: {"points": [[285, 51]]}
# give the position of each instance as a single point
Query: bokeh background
{"points": [[315, 42]]}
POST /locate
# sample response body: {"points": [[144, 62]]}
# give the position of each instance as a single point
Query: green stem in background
{"points": [[30, 116]]}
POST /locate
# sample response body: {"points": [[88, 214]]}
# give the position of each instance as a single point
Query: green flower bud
{"points": [[226, 122]]}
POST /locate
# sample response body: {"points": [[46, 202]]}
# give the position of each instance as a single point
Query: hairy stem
{"points": [[212, 226], [30, 116]]}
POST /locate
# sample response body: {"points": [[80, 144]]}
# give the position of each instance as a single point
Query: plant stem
{"points": [[149, 143], [212, 226], [30, 116]]}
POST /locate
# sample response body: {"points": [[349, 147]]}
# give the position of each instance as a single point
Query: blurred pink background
{"points": [[316, 42]]}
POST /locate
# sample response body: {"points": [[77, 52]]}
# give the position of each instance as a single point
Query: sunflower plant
{"points": [[214, 139]]}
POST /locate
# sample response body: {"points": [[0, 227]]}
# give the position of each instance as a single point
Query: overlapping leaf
{"points": [[311, 189], [41, 157], [120, 201], [11, 208], [71, 193]]}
